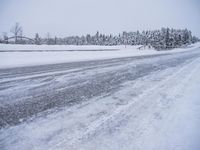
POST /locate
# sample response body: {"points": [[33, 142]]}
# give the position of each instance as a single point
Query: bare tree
{"points": [[17, 30], [5, 37], [48, 38], [37, 39]]}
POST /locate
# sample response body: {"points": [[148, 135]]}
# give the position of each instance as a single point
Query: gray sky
{"points": [[77, 17]]}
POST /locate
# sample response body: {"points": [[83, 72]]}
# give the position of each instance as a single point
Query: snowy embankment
{"points": [[31, 55]]}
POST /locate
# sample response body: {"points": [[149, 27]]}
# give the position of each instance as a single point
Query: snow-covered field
{"points": [[34, 57], [12, 47], [134, 103]]}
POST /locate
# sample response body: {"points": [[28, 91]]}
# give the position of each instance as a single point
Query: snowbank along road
{"points": [[125, 103]]}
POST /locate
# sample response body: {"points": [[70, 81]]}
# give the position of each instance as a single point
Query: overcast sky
{"points": [[77, 17]]}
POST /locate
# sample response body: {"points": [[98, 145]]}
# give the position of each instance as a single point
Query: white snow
{"points": [[19, 59], [163, 115], [13, 47]]}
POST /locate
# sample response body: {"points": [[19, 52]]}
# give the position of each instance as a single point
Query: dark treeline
{"points": [[159, 39]]}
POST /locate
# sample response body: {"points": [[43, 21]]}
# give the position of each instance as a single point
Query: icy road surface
{"points": [[136, 103]]}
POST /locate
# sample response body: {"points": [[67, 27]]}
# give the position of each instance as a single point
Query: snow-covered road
{"points": [[144, 102]]}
